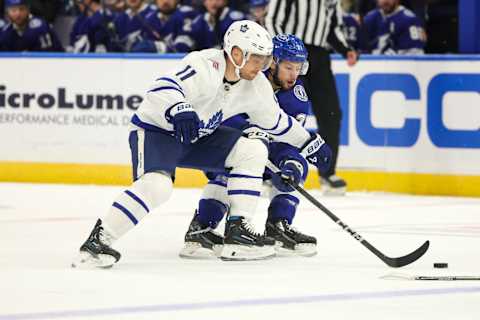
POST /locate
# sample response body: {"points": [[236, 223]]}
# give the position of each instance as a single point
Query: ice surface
{"points": [[42, 226]]}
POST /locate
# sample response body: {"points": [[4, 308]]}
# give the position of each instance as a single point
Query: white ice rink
{"points": [[42, 226]]}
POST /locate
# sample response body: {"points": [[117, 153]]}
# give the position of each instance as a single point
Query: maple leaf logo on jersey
{"points": [[244, 28], [211, 125]]}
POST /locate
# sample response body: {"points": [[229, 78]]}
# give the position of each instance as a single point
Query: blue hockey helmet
{"points": [[12, 3], [289, 47], [258, 3]]}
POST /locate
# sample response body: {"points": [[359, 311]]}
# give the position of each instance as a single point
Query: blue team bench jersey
{"points": [[400, 32], [129, 26], [207, 32], [37, 36], [353, 31], [94, 33], [163, 28]]}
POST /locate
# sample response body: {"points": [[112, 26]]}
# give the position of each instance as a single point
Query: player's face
{"points": [[213, 6], [18, 15], [254, 65], [81, 5], [288, 73], [134, 4], [259, 13], [115, 5], [387, 6], [166, 6]]}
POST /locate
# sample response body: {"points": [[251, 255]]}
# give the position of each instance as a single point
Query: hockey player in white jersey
{"points": [[290, 60], [178, 125]]}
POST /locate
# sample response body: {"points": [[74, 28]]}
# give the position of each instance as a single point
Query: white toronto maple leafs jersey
{"points": [[198, 80]]}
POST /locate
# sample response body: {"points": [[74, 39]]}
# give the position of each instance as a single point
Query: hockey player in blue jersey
{"points": [[207, 30], [25, 32], [178, 124], [130, 23], [162, 26], [354, 33], [93, 30], [393, 29], [201, 241]]}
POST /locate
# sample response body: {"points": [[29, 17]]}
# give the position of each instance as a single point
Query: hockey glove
{"points": [[292, 165], [317, 152], [186, 123], [291, 171]]}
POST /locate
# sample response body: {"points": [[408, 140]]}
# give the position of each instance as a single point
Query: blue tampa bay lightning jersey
{"points": [[94, 33], [160, 30], [37, 36], [400, 32], [295, 102], [129, 26], [353, 31], [206, 32]]}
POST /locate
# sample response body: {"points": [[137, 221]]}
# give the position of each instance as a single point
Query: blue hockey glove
{"points": [[318, 153], [291, 171], [186, 123]]}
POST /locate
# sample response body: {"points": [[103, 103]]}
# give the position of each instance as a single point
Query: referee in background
{"points": [[319, 24]]}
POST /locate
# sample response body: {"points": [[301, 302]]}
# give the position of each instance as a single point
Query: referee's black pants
{"points": [[322, 91]]}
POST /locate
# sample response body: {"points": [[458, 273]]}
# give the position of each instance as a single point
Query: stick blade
{"points": [[409, 258], [404, 276]]}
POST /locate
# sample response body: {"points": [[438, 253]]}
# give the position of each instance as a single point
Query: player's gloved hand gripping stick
{"points": [[291, 170], [392, 262]]}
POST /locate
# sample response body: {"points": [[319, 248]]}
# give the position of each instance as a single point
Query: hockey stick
{"points": [[401, 276], [392, 262]]}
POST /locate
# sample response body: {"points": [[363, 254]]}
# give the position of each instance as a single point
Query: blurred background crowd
{"points": [[162, 26]]}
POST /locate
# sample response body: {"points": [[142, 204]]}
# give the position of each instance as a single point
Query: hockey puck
{"points": [[440, 265]]}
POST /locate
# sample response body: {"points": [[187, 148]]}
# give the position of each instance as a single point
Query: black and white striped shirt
{"points": [[316, 22]]}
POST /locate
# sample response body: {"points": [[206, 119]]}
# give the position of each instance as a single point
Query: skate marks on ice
{"points": [[310, 291], [241, 303], [365, 201], [47, 219]]}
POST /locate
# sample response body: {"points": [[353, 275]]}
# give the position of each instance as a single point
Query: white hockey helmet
{"points": [[251, 38]]}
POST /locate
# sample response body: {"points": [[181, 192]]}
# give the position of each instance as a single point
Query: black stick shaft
{"points": [[392, 262], [338, 221]]}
